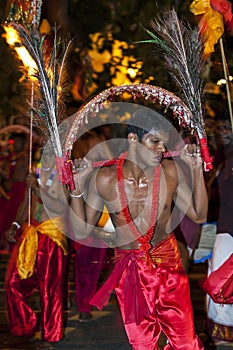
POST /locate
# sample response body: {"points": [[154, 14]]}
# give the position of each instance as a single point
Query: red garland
{"points": [[100, 163], [143, 240]]}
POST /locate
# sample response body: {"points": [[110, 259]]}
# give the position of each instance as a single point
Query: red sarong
{"points": [[48, 277], [153, 294]]}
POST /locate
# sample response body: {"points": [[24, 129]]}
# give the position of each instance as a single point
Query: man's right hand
{"points": [[192, 155], [82, 169], [10, 234], [31, 181]]}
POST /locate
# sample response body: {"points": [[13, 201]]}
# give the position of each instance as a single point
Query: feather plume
{"points": [[50, 80], [182, 49]]}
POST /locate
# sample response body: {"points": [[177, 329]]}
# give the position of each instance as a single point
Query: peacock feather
{"points": [[182, 50], [50, 79]]}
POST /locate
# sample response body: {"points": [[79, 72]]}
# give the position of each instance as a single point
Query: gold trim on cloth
{"points": [[166, 253], [29, 245], [220, 331]]}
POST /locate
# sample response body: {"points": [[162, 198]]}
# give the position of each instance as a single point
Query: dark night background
{"points": [[116, 22]]}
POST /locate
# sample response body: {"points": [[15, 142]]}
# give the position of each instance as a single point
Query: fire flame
{"points": [[13, 40]]}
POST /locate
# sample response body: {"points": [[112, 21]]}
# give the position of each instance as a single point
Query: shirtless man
{"points": [[37, 260], [151, 286]]}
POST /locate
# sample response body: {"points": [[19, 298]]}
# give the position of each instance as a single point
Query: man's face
{"points": [[18, 144], [224, 131], [154, 143]]}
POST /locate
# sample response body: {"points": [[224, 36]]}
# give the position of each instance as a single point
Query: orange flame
{"points": [[13, 40]]}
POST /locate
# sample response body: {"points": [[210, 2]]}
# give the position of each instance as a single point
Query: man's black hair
{"points": [[144, 119]]}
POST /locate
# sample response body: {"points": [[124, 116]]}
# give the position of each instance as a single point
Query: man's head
{"points": [[144, 120], [19, 141], [224, 131], [149, 132]]}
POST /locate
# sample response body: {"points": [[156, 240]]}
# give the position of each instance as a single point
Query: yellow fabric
{"points": [[199, 7], [104, 218], [29, 246], [214, 31], [27, 253], [211, 24]]}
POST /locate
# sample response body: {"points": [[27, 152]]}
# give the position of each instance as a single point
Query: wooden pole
{"points": [[30, 154], [227, 75]]}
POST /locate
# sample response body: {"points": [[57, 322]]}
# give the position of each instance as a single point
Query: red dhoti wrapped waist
{"points": [[165, 254], [53, 228]]}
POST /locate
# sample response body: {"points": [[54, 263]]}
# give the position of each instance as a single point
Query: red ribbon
{"points": [[100, 163], [64, 170], [136, 308], [205, 154]]}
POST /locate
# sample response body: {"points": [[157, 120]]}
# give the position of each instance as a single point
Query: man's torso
{"points": [[140, 203]]}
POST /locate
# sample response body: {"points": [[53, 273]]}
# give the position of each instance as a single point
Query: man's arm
{"points": [[86, 205], [3, 193], [192, 198], [54, 204]]}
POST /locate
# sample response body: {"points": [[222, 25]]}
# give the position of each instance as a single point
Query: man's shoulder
{"points": [[22, 160], [168, 164], [106, 176], [106, 181], [170, 168], [21, 156], [107, 172]]}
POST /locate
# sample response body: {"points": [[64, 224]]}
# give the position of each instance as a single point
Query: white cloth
{"points": [[205, 246], [223, 248]]}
